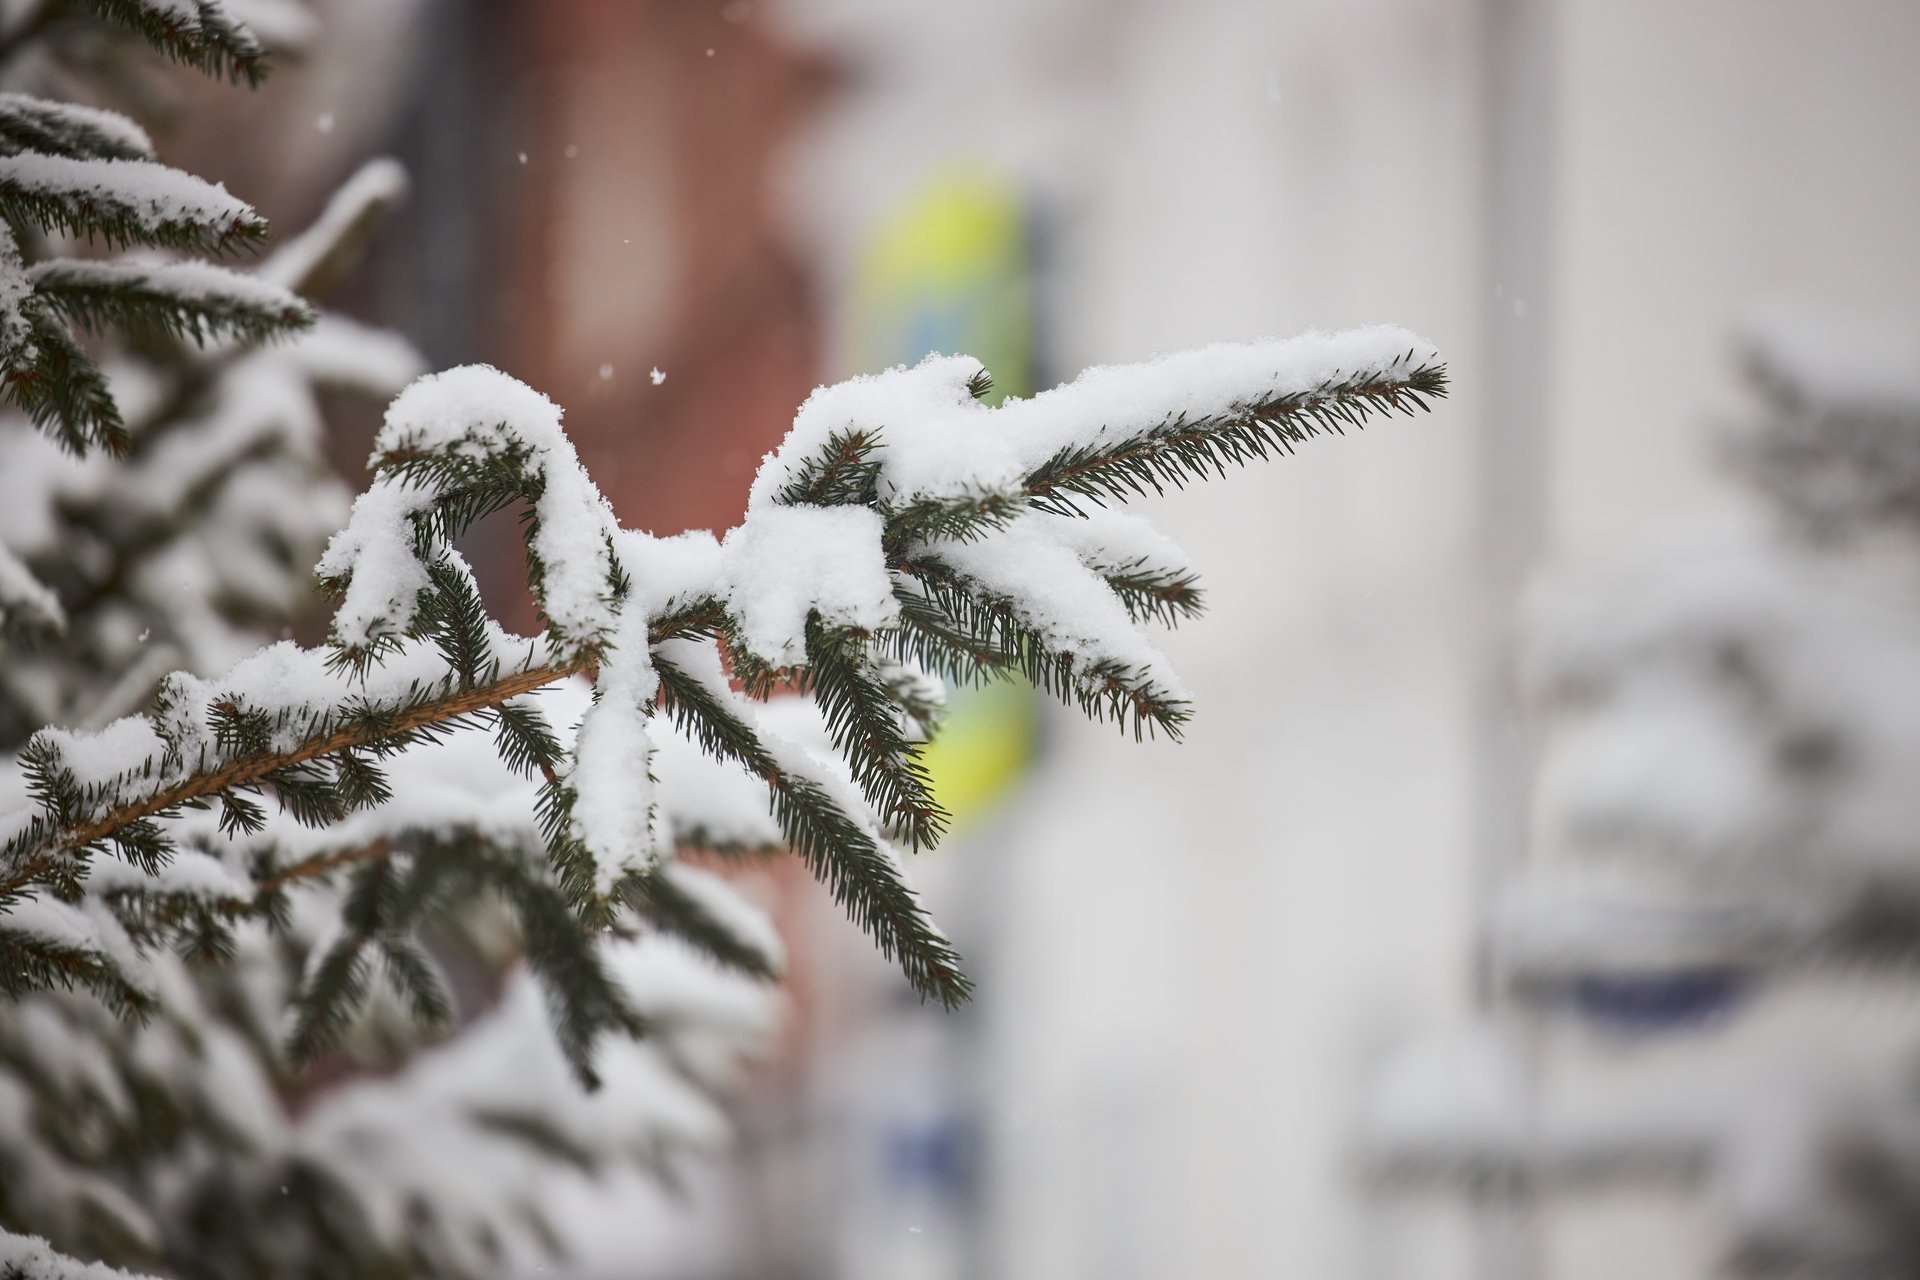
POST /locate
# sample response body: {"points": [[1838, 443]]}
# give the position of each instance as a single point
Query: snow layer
{"points": [[192, 284], [786, 562], [476, 409], [44, 114], [938, 442], [375, 554], [155, 196], [1109, 541], [1052, 592], [31, 1258], [612, 778], [17, 347]]}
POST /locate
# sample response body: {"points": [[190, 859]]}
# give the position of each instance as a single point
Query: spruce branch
{"points": [[669, 907], [65, 129], [587, 1002], [970, 634], [182, 301], [338, 979], [973, 581], [1183, 447], [197, 33], [367, 725], [1154, 593], [950, 519], [30, 962], [61, 390], [856, 867], [843, 474], [865, 722], [125, 203]]}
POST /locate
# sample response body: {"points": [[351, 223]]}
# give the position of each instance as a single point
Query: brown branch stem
{"points": [[252, 768]]}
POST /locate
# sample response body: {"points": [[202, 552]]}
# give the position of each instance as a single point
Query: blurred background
{"points": [[1533, 893]]}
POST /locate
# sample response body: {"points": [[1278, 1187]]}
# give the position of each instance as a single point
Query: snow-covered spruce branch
{"points": [[902, 530], [85, 173], [223, 481], [1835, 444], [198, 33]]}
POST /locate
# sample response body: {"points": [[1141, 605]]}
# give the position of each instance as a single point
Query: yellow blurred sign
{"points": [[951, 270]]}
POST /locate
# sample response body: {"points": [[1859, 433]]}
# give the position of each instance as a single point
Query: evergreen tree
{"points": [[399, 849], [1725, 796]]}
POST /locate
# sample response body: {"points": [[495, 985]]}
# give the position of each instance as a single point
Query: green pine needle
{"points": [[207, 40]]}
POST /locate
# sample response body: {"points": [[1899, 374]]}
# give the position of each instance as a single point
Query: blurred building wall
{"points": [[653, 236]]}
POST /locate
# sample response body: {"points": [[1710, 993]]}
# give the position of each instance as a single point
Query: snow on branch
{"points": [[201, 526], [68, 129], [24, 599], [902, 530], [1836, 445], [125, 202], [31, 1258], [313, 259], [181, 300], [121, 201], [88, 174], [200, 33]]}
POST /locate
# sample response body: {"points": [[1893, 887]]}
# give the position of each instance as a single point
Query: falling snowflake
{"points": [[657, 376], [606, 373]]}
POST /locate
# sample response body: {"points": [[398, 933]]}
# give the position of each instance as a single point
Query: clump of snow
{"points": [[1052, 592], [670, 573], [784, 563], [1727, 709], [50, 921], [101, 758], [1837, 444], [376, 557], [1557, 924], [612, 778], [31, 1258], [935, 436], [188, 872], [341, 353], [1110, 541], [17, 347], [477, 409], [1113, 402]]}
